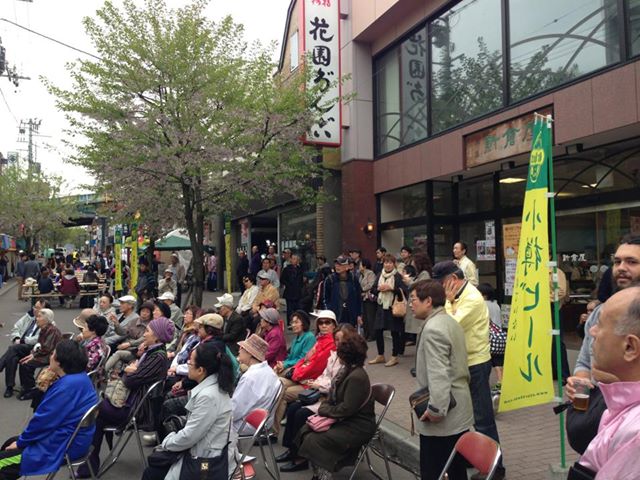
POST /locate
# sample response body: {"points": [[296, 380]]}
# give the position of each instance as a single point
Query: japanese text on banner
{"points": [[527, 377], [134, 259]]}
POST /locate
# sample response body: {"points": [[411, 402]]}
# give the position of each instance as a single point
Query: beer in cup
{"points": [[581, 397]]}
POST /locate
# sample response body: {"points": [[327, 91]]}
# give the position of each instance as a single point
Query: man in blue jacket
{"points": [[41, 446], [342, 293]]}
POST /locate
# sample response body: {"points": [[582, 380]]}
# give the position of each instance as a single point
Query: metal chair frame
{"points": [[377, 391], [127, 430], [87, 420], [476, 438], [261, 434]]}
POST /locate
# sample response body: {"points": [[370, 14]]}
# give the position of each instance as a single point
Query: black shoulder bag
{"points": [[207, 468]]}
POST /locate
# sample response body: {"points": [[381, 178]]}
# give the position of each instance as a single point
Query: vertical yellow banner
{"points": [[528, 379], [118, 260], [134, 259], [227, 253]]}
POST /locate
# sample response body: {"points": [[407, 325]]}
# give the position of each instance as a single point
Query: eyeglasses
{"points": [[325, 322]]}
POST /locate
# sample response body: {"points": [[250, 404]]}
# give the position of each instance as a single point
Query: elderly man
{"points": [[625, 272], [167, 283], [24, 336], [127, 315], [267, 292], [177, 317], [613, 453], [342, 294], [179, 275], [466, 304], [466, 265], [270, 272], [441, 366], [234, 326], [39, 356]]}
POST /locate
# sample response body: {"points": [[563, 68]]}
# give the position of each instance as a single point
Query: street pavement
{"points": [[530, 437]]}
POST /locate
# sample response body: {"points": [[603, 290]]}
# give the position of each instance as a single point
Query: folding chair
{"points": [[87, 420], [127, 430], [383, 394], [258, 419], [480, 451], [97, 375]]}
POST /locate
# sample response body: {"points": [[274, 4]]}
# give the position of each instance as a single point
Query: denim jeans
{"points": [[485, 421]]}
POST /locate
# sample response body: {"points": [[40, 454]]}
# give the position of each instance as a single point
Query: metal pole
{"points": [[556, 305]]}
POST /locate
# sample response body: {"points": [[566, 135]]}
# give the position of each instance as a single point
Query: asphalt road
{"points": [[16, 414]]}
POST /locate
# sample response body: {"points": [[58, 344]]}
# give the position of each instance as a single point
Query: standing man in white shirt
{"points": [[466, 265]]}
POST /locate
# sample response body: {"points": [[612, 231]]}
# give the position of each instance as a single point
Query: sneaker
{"points": [[150, 439]]}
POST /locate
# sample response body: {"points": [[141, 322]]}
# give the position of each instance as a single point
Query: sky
{"points": [[36, 57]]}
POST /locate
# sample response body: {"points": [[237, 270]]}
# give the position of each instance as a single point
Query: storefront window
{"points": [[466, 62], [481, 248], [443, 242], [298, 232], [387, 81], [414, 237], [442, 198], [633, 8], [405, 203], [555, 41], [513, 184], [475, 195]]}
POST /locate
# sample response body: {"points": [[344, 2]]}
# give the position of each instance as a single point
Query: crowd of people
{"points": [[217, 364]]}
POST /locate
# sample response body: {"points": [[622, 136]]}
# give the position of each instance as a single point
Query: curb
{"points": [[402, 449]]}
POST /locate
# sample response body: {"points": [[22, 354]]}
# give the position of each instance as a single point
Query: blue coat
{"points": [[332, 298], [45, 438]]}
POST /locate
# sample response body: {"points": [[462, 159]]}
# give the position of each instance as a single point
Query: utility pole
{"points": [[31, 126]]}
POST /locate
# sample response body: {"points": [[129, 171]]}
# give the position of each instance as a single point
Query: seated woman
{"points": [[188, 334], [302, 342], [40, 448], [48, 338], [297, 413], [151, 367], [273, 335], [69, 287], [351, 404], [205, 434], [133, 332], [105, 305], [311, 365], [45, 284]]}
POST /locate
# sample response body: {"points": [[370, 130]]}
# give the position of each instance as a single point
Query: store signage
{"points": [[501, 141], [321, 44]]}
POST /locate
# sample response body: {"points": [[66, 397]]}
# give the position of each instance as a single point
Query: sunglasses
{"points": [[325, 322]]}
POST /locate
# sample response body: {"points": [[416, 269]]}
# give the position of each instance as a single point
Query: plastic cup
{"points": [[581, 397]]}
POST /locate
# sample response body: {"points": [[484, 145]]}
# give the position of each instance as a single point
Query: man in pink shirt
{"points": [[613, 453]]}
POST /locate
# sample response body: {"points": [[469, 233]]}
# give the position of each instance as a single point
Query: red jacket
{"points": [[315, 361], [69, 286]]}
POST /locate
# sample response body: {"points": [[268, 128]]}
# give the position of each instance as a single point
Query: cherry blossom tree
{"points": [[181, 118]]}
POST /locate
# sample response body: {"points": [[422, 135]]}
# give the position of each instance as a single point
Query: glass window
{"points": [[293, 51], [298, 232], [409, 202], [554, 41], [442, 195], [387, 81], [413, 61], [466, 62], [633, 8], [475, 195], [443, 242], [480, 249], [414, 237], [513, 184]]}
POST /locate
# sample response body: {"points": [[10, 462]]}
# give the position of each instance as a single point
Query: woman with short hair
{"points": [[302, 342], [206, 432], [350, 403]]}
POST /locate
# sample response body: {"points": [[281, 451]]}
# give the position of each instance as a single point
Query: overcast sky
{"points": [[35, 56]]}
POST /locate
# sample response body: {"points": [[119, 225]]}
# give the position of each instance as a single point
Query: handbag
{"points": [[162, 458], [497, 338], [207, 468], [399, 307], [309, 397], [116, 392], [419, 401], [318, 423]]}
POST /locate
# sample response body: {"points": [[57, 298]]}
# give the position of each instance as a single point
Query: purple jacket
{"points": [[277, 350]]}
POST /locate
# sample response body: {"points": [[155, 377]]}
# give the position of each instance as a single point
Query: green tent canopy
{"points": [[173, 241]]}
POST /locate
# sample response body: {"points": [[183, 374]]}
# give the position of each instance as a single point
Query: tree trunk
{"points": [[195, 229]]}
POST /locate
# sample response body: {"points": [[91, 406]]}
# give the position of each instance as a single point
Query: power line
{"points": [[8, 107], [50, 38]]}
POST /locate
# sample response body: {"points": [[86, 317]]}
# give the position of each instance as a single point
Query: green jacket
{"points": [[299, 348]]}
